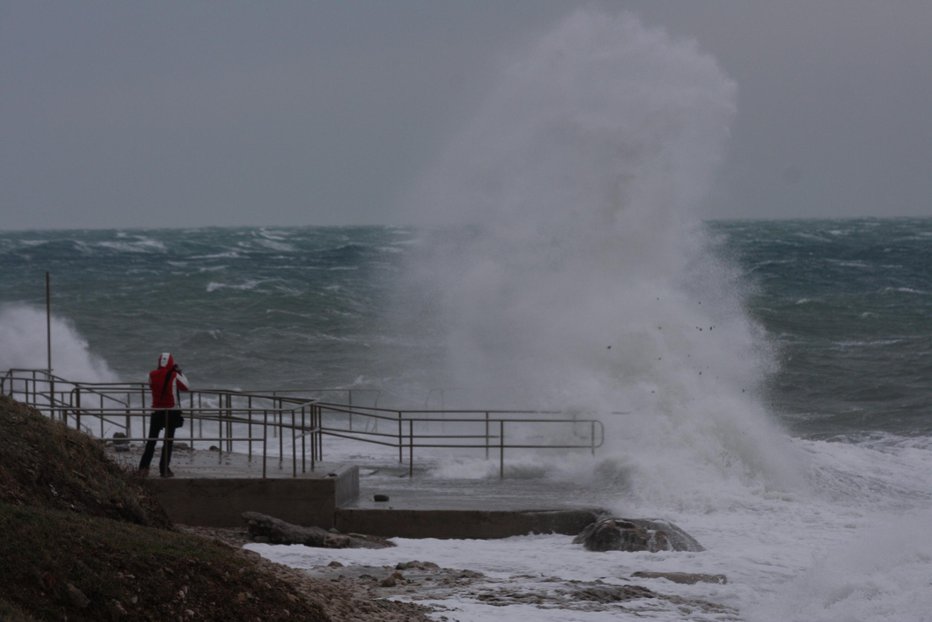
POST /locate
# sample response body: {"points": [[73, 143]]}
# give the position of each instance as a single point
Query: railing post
{"points": [[314, 408], [77, 412], [303, 440], [281, 435], [249, 406], [400, 441], [51, 397], [410, 448], [319, 426], [294, 447], [486, 435], [501, 450], [229, 422], [265, 436]]}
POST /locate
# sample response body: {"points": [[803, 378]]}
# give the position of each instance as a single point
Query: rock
{"points": [[120, 443], [365, 541], [688, 578], [416, 565], [76, 596], [633, 534], [116, 609], [392, 579], [264, 528], [613, 593]]}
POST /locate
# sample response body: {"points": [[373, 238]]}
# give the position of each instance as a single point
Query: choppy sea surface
{"points": [[810, 483], [845, 306]]}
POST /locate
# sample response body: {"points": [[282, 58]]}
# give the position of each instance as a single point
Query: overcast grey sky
{"points": [[170, 113]]}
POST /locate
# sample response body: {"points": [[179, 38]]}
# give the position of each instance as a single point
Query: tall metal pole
{"points": [[48, 346], [48, 320]]}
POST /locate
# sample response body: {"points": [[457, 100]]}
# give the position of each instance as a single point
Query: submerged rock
{"points": [[687, 578], [614, 593], [635, 534], [264, 528]]}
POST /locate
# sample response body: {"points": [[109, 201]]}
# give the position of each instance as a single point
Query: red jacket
{"points": [[165, 382]]}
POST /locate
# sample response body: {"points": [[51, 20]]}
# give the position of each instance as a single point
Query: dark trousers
{"points": [[156, 423]]}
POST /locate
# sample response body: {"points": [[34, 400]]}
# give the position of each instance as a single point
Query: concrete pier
{"points": [[214, 490], [220, 502]]}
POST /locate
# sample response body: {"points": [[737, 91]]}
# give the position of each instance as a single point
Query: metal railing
{"points": [[216, 419], [492, 431], [299, 426]]}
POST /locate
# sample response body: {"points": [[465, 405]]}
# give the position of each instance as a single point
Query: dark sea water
{"points": [[845, 307], [849, 305]]}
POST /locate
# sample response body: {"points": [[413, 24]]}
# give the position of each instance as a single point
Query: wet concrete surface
{"points": [[380, 480]]}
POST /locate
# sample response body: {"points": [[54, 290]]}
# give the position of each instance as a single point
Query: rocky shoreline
{"points": [[343, 601], [413, 589]]}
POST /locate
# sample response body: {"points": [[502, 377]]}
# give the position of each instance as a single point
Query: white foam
{"points": [[23, 345], [584, 280], [882, 572], [138, 244], [834, 552], [246, 285]]}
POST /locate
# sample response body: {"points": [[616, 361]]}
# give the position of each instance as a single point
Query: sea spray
{"points": [[570, 271], [23, 345], [863, 578]]}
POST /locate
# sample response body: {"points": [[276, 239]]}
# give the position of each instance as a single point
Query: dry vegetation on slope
{"points": [[83, 540]]}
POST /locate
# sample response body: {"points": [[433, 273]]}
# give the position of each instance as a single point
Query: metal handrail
{"points": [[38, 391], [410, 429], [412, 440]]}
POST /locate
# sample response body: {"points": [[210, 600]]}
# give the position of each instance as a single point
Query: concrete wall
{"points": [[398, 523], [319, 501], [220, 502]]}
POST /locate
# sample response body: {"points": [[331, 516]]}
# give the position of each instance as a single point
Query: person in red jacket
{"points": [[165, 383]]}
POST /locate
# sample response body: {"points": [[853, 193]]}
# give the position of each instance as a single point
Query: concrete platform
{"points": [[211, 489], [221, 501], [466, 524], [425, 507]]}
